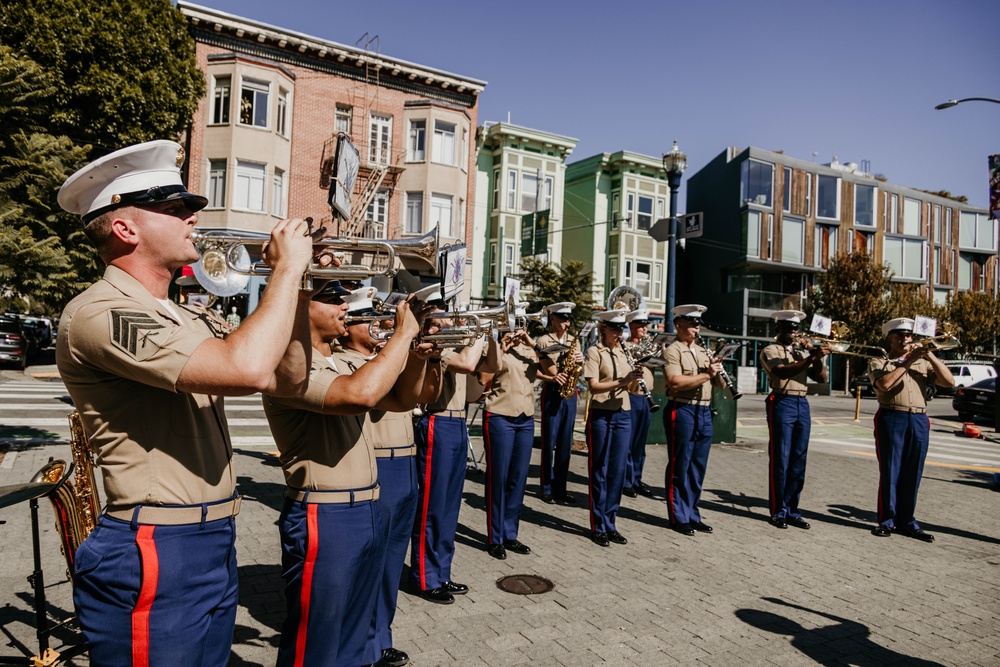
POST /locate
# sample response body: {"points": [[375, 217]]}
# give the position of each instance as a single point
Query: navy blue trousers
{"points": [[508, 453], [901, 440], [641, 419], [608, 440], [157, 595], [331, 560], [789, 422], [689, 440], [442, 456], [558, 418], [397, 478]]}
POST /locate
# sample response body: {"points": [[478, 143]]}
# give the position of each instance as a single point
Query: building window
{"points": [[629, 211], [905, 257], [216, 184], [463, 159], [752, 234], [792, 240], [380, 139], [937, 266], [769, 248], [976, 231], [828, 197], [659, 209], [613, 274], [863, 242], [508, 259], [278, 196], [947, 227], [643, 272], [248, 195], [529, 193], [377, 215], [893, 212], [786, 200], [496, 189], [444, 143], [493, 263], [937, 224], [281, 122], [644, 219], [414, 223], [864, 205], [971, 271], [418, 136], [221, 91], [911, 216], [628, 273], [756, 182], [616, 212], [441, 206], [809, 194], [658, 281], [253, 102], [546, 195], [342, 120], [825, 245], [511, 190]]}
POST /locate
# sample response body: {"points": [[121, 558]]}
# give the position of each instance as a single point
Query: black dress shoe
{"points": [[549, 498], [454, 589], [601, 539], [881, 531], [799, 522], [778, 522], [497, 551], [643, 490], [617, 537], [630, 492], [566, 499], [701, 527], [393, 657], [918, 534], [437, 595], [516, 547], [682, 528]]}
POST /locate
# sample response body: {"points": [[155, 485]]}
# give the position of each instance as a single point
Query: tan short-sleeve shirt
{"points": [[684, 360], [385, 430], [120, 353], [452, 386], [780, 355], [550, 339], [908, 392], [321, 452], [604, 364], [511, 391]]}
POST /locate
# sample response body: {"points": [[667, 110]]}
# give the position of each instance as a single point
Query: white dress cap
{"points": [[692, 311], [795, 316], [146, 173], [612, 316], [561, 308], [898, 324], [360, 300], [639, 314]]}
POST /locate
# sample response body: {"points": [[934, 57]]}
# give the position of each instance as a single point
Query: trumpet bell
{"points": [[213, 272]]}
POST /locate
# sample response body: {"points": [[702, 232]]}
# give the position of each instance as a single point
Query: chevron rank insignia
{"points": [[135, 332]]}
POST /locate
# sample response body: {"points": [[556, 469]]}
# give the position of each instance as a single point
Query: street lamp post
{"points": [[674, 162]]}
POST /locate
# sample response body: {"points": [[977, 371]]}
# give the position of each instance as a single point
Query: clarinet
{"points": [[653, 406], [726, 380]]}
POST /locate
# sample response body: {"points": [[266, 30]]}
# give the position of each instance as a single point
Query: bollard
{"points": [[857, 404]]}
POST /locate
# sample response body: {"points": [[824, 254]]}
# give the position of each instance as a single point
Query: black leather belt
{"points": [[690, 401], [789, 392]]}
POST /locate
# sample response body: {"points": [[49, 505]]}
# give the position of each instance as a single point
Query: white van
{"points": [[969, 372]]}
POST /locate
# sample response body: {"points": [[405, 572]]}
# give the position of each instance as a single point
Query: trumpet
{"points": [[225, 263]]}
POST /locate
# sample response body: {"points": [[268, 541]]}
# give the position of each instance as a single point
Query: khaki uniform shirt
{"points": [[549, 339], [321, 452], [908, 392], [604, 364], [684, 360], [453, 386], [779, 355], [511, 391], [385, 430], [120, 352]]}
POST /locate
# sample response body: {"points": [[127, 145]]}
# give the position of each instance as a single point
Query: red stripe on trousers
{"points": [[489, 477], [878, 457], [147, 593], [305, 595], [671, 464], [590, 474], [422, 559], [769, 402]]}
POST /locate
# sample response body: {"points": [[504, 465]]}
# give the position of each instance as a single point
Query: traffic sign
{"points": [[689, 226]]}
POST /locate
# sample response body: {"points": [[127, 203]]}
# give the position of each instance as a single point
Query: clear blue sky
{"points": [[857, 80]]}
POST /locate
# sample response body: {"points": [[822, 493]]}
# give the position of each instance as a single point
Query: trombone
{"points": [[946, 340], [476, 324], [837, 344], [224, 256]]}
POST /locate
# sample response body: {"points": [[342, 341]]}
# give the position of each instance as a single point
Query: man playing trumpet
{"points": [[788, 417]]}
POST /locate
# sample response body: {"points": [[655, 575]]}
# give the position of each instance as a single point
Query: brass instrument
{"points": [[946, 340], [653, 405], [85, 489], [521, 321], [569, 367], [225, 262], [625, 297], [837, 344]]}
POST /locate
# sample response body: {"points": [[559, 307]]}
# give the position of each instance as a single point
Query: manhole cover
{"points": [[525, 584]]}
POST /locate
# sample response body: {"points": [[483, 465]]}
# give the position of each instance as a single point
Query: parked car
{"points": [[976, 400], [40, 328], [13, 343], [968, 373]]}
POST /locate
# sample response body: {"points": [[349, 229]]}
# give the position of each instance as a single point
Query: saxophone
{"points": [[572, 370], [85, 487]]}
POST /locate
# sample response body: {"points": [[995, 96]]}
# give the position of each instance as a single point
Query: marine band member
{"points": [[638, 324]]}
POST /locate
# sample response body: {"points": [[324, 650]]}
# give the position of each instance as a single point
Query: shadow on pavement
{"points": [[826, 645], [269, 494]]}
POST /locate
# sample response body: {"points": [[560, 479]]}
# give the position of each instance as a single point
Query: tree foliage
{"points": [[855, 290], [545, 283], [977, 314]]}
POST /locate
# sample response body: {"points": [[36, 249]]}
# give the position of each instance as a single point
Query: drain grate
{"points": [[525, 584]]}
